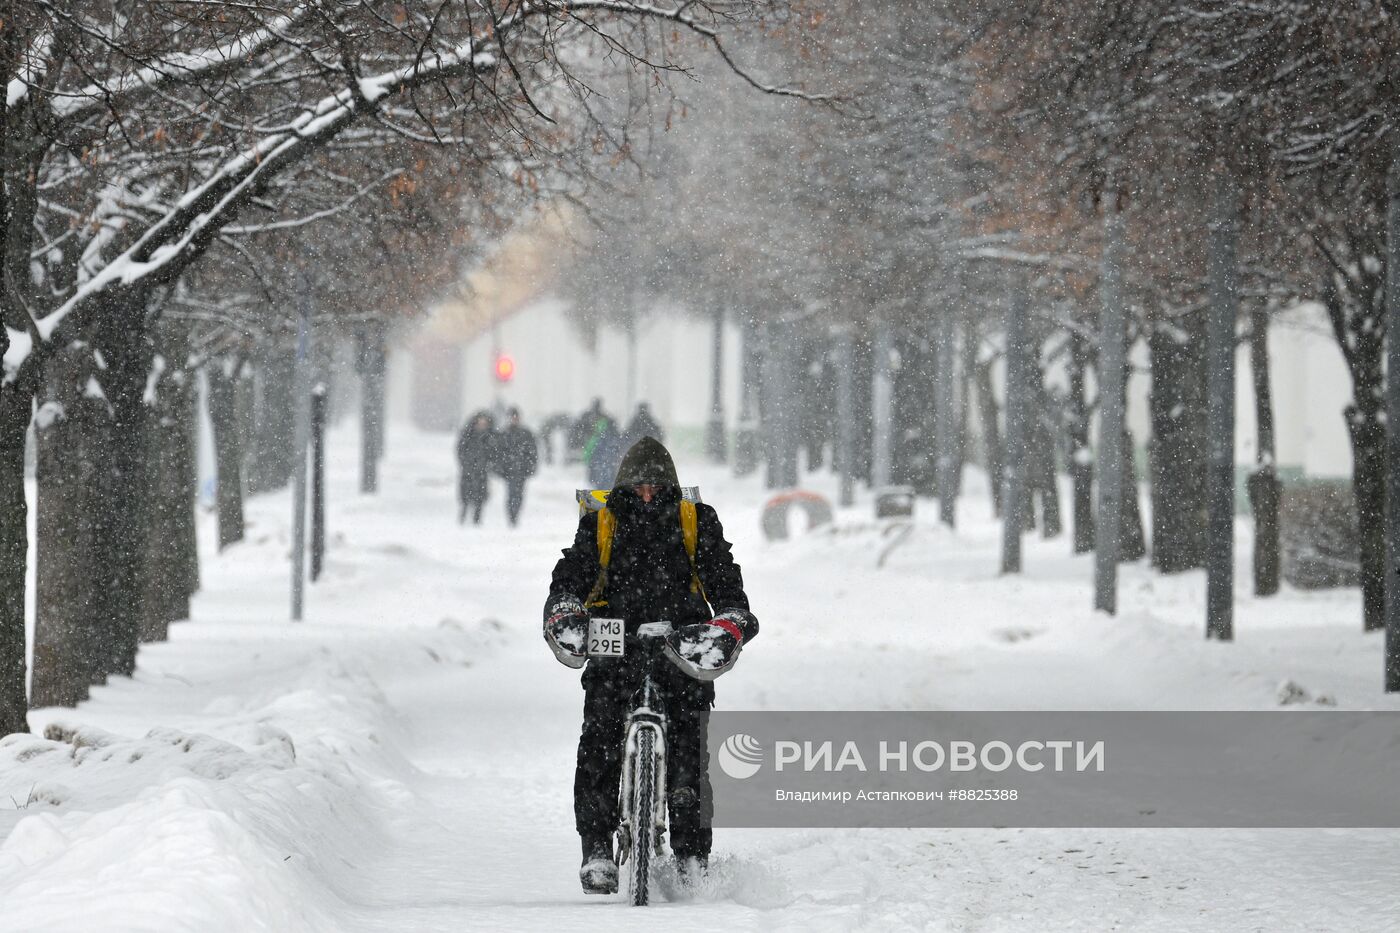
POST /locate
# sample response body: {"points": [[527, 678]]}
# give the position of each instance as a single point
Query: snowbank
{"points": [[252, 827], [385, 766]]}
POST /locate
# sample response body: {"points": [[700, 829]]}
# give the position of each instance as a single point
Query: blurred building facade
{"points": [[447, 369], [436, 383]]}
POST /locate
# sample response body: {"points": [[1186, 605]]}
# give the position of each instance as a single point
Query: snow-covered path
{"points": [[403, 760]]}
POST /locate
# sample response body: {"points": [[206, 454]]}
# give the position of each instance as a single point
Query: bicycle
{"points": [[642, 794]]}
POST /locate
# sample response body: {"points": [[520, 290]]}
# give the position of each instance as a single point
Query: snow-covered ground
{"points": [[403, 759]]}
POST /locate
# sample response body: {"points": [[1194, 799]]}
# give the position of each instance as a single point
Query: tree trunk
{"points": [[987, 416], [228, 448], [946, 430], [1132, 540], [72, 428], [1265, 490], [779, 409], [16, 403], [1041, 482], [1367, 434], [967, 374], [1391, 665], [1044, 477], [171, 573], [1018, 408], [1220, 411], [1114, 455], [125, 518], [1081, 459], [1351, 303], [1176, 468], [914, 411], [844, 453], [881, 407], [863, 416], [820, 392], [746, 452], [372, 365], [273, 415]]}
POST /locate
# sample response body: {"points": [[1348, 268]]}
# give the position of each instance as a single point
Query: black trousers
{"points": [[608, 687], [471, 496], [515, 497]]}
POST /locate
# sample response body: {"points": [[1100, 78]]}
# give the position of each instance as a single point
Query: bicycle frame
{"points": [[647, 715]]}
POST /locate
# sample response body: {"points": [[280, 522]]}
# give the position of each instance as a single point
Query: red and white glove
{"points": [[708, 649], [734, 621]]}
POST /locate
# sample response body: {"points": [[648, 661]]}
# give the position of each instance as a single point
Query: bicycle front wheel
{"points": [[643, 816]]}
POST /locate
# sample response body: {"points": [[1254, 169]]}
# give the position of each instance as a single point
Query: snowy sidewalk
{"points": [[403, 760]]}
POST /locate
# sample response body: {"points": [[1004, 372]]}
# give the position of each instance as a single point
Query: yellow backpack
{"points": [[607, 525]]}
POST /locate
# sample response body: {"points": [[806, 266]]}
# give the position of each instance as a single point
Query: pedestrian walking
{"points": [[475, 458], [643, 424], [603, 449], [517, 458]]}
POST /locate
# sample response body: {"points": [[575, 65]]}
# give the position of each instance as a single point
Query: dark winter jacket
{"points": [[517, 454], [476, 453], [649, 574]]}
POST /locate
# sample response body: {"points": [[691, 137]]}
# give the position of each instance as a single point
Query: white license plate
{"points": [[606, 638]]}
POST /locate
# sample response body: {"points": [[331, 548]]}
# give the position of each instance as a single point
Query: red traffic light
{"points": [[505, 367]]}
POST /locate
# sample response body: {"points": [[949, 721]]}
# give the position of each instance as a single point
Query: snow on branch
{"points": [[177, 233], [305, 219], [679, 16], [181, 67], [34, 67], [169, 244]]}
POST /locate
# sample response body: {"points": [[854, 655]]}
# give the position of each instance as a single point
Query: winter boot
{"points": [[691, 868], [599, 871]]}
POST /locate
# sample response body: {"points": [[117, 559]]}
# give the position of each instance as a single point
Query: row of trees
{"points": [[1032, 190], [1242, 150], [184, 184]]}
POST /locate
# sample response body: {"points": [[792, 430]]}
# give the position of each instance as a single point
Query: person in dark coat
{"points": [[517, 457], [563, 426], [601, 450], [643, 424], [580, 430], [648, 579], [476, 452]]}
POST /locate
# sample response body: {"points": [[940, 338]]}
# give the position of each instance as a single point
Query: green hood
{"points": [[647, 461]]}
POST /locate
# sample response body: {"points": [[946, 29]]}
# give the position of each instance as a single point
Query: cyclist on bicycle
{"points": [[651, 575]]}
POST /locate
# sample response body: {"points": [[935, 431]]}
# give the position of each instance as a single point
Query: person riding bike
{"points": [[651, 573]]}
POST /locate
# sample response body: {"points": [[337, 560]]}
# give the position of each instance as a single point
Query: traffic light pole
{"points": [[301, 396], [716, 446], [318, 479]]}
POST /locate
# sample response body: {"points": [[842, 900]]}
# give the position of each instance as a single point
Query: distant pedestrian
{"points": [[562, 426], [643, 424], [603, 448], [517, 457], [581, 430], [476, 453]]}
